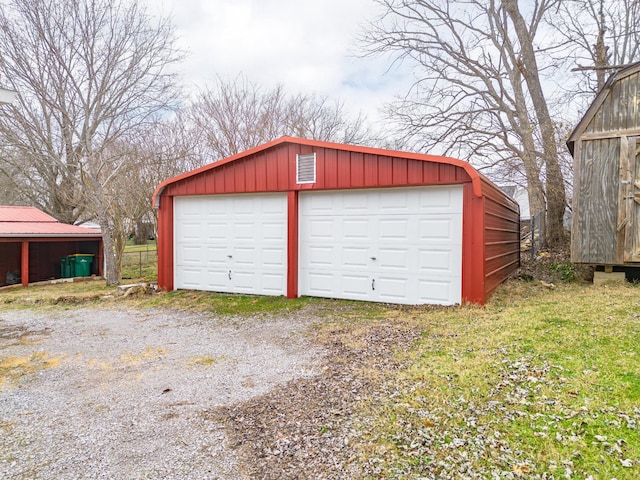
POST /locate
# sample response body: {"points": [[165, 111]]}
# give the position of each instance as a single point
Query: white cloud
{"points": [[307, 45]]}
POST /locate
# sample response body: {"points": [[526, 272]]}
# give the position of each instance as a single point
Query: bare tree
{"points": [[91, 73], [477, 93], [597, 38], [164, 151], [10, 188], [238, 115]]}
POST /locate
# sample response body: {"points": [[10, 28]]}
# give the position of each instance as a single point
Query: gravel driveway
{"points": [[123, 394]]}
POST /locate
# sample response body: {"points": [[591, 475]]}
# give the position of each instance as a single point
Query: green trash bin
{"points": [[81, 264], [65, 267]]}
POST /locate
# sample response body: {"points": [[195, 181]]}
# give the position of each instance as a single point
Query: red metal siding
{"points": [[502, 237], [472, 247], [274, 170], [292, 245], [490, 219], [165, 243]]}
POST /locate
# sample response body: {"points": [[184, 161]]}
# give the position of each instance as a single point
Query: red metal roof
{"points": [[24, 214], [31, 222]]}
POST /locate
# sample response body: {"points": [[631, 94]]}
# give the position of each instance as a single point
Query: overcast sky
{"points": [[309, 46]]}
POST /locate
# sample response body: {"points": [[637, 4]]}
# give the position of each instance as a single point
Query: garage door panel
{"points": [[191, 255], [353, 204], [243, 281], [244, 231], [442, 201], [355, 229], [191, 275], [272, 283], [394, 229], [393, 288], [273, 206], [441, 229], [438, 291], [216, 231], [319, 256], [244, 257], [321, 205], [355, 287], [437, 261], [318, 283], [241, 234], [403, 246], [396, 258], [394, 202], [215, 256], [216, 280], [192, 231], [320, 229], [274, 232], [273, 257], [356, 257]]}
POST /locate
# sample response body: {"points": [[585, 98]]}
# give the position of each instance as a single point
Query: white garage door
{"points": [[231, 243], [401, 245]]}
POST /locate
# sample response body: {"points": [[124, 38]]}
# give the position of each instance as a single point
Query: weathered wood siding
{"points": [[595, 202], [604, 225], [620, 110]]}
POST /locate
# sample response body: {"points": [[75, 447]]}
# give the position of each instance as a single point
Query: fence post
{"points": [[533, 237], [140, 262]]}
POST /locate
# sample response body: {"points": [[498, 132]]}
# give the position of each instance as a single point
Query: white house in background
{"points": [[521, 196]]}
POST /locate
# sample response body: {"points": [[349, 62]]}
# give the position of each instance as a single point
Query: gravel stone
{"points": [[128, 393]]}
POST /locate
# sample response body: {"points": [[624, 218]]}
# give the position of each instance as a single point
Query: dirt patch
{"points": [[302, 429]]}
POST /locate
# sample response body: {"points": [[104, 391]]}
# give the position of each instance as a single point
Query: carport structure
{"points": [[32, 244], [304, 217]]}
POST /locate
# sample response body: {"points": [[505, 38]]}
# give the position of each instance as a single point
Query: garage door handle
{"points": [[229, 274], [373, 258], [373, 284]]}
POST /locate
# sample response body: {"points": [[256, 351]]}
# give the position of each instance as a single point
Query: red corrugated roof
{"points": [[31, 222], [24, 214]]}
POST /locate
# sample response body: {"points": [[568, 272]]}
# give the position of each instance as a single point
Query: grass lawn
{"points": [[132, 247], [539, 383]]}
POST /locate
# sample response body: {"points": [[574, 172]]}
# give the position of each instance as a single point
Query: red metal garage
{"points": [[32, 243], [302, 217]]}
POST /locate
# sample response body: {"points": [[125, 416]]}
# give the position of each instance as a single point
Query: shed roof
{"points": [[474, 175], [31, 222], [599, 100]]}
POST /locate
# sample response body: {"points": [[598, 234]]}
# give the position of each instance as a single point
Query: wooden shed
{"points": [[303, 217], [606, 193]]}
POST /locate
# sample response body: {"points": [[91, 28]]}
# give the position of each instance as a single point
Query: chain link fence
{"points": [[532, 235], [140, 263]]}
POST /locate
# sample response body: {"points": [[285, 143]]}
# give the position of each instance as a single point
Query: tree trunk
{"points": [[111, 268], [554, 181]]}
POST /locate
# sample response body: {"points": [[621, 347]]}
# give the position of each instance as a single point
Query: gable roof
{"points": [[476, 177], [598, 101], [31, 222]]}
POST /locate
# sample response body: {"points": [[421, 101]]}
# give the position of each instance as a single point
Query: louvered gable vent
{"points": [[306, 168]]}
